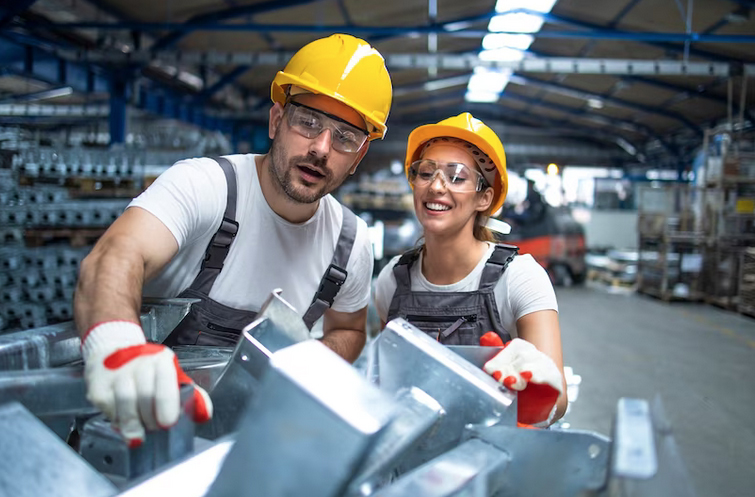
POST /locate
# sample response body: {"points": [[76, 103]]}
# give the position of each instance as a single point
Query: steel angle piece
{"points": [[47, 392], [475, 355], [278, 325], [576, 461], [417, 414], [190, 477], [408, 357], [307, 430], [237, 383], [34, 461], [160, 316], [45, 347], [473, 468], [645, 458], [106, 450]]}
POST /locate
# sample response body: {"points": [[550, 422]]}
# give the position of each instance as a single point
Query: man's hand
{"points": [[521, 367], [135, 383]]}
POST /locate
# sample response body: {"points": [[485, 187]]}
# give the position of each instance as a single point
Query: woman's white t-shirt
{"points": [[524, 288]]}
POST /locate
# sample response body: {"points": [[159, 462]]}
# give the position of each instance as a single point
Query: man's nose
{"points": [[321, 144]]}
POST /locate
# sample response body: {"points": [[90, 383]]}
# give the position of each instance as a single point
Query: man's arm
{"points": [[135, 247], [344, 332]]}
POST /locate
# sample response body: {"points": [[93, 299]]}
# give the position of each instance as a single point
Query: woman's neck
{"points": [[447, 260]]}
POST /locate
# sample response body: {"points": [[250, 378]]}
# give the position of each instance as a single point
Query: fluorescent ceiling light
{"points": [[500, 40], [515, 23], [488, 80], [538, 5], [502, 55], [481, 96]]}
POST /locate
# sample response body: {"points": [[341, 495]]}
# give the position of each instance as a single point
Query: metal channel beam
{"points": [[564, 65], [195, 23], [594, 33]]}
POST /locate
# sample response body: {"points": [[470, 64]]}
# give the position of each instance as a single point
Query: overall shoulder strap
{"points": [[496, 265], [402, 267], [220, 244], [336, 274], [403, 279]]}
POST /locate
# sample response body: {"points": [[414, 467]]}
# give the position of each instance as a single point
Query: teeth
{"points": [[436, 207]]}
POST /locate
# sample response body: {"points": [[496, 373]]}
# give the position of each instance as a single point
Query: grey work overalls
{"points": [[452, 318], [212, 323]]}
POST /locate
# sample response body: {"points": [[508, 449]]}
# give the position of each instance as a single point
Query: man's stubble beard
{"points": [[282, 176]]}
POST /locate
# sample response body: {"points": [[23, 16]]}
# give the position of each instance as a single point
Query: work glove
{"points": [[135, 383], [534, 375]]}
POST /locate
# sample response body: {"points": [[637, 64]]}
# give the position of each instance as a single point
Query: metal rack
{"points": [[671, 243]]}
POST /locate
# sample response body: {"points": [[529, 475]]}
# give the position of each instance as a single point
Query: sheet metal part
{"points": [[59, 344], [191, 477], [576, 461], [105, 449], [306, 432], [645, 458], [406, 357], [34, 461], [418, 414], [474, 469], [277, 326], [237, 384]]}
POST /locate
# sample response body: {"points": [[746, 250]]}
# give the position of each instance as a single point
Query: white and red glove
{"points": [[534, 375], [135, 383]]}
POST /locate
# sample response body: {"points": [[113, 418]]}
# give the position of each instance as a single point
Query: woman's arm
{"points": [[541, 329]]}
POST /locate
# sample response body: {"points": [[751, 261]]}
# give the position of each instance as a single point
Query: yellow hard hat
{"points": [[470, 129], [344, 68]]}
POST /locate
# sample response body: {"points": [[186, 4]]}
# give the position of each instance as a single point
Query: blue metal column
{"points": [[119, 84]]}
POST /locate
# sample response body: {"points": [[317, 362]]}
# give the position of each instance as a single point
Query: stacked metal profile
{"points": [[415, 418], [48, 222]]}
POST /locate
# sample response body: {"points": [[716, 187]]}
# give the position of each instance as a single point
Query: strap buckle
{"points": [[220, 244], [331, 284]]}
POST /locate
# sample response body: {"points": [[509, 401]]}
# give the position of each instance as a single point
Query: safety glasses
{"points": [[310, 122], [456, 176]]}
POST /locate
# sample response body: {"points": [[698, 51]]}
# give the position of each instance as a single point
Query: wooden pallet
{"points": [[81, 237], [668, 295]]}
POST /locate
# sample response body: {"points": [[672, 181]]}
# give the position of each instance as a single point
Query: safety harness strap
{"points": [[220, 244], [336, 274]]}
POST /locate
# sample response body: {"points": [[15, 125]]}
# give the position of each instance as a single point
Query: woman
{"points": [[459, 284]]}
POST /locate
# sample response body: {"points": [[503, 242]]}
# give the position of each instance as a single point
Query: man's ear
{"points": [[484, 200], [360, 156], [276, 116]]}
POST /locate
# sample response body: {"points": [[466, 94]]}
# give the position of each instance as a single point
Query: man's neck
{"points": [[448, 260], [276, 198]]}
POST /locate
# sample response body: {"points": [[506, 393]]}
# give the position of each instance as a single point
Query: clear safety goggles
{"points": [[456, 176], [310, 122]]}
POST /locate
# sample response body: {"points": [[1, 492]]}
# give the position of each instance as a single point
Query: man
{"points": [[230, 230]]}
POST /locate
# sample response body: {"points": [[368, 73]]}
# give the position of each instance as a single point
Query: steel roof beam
{"points": [[196, 22], [501, 114], [181, 29], [11, 8], [224, 81], [60, 91], [452, 62], [586, 95]]}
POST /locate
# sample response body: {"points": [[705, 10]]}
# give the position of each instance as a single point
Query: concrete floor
{"points": [[700, 359]]}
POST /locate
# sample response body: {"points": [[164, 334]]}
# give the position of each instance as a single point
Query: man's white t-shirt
{"points": [[524, 288], [268, 251]]}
